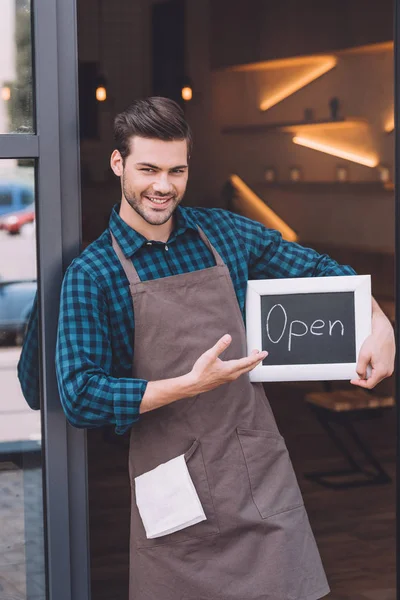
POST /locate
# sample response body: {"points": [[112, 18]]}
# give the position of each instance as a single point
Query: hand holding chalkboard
{"points": [[312, 328]]}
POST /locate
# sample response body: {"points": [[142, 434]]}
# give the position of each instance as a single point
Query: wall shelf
{"points": [[355, 187], [289, 125]]}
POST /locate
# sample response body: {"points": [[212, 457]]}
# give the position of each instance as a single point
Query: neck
{"points": [[158, 233]]}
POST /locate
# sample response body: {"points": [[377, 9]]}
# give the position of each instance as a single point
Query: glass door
{"points": [[43, 544]]}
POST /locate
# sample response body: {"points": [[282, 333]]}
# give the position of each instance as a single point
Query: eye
{"points": [[148, 170], [178, 171]]}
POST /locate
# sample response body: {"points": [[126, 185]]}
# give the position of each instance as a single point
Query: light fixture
{"points": [[187, 93], [314, 67], [368, 49], [326, 127], [101, 89], [389, 125], [311, 68], [298, 83], [187, 89], [362, 159], [101, 83], [250, 205], [5, 93]]}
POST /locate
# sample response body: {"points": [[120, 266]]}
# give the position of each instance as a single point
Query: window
{"points": [[26, 197], [5, 198]]}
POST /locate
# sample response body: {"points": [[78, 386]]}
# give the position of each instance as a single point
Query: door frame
{"points": [[396, 34], [55, 148]]}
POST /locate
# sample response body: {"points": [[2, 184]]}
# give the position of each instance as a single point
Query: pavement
{"points": [[18, 422], [21, 504]]}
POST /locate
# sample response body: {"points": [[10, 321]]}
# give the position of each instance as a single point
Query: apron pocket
{"points": [[161, 485], [273, 481]]}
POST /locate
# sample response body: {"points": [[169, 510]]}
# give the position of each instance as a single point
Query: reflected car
{"points": [[18, 222], [15, 196], [16, 300]]}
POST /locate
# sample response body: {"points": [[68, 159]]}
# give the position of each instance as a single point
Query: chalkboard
{"points": [[313, 328], [301, 329]]}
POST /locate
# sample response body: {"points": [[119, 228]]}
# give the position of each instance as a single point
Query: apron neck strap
{"points": [[130, 270], [126, 263], [217, 257]]}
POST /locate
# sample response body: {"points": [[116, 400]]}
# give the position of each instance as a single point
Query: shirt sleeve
{"points": [[90, 395], [28, 364], [272, 257]]}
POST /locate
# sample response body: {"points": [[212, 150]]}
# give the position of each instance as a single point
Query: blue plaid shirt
{"points": [[96, 325]]}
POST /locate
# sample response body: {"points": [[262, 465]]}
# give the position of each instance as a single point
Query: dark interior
{"points": [[238, 57]]}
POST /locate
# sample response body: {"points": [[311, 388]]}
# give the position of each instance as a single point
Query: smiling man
{"points": [[152, 340]]}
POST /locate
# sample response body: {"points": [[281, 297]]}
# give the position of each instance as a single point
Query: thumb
{"points": [[221, 345]]}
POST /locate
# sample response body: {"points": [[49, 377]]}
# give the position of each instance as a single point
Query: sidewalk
{"points": [[18, 422], [21, 512]]}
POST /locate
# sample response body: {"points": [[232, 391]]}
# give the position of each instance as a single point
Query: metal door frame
{"points": [[396, 32], [55, 148]]}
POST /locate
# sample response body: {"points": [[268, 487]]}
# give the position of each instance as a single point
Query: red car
{"points": [[14, 222]]}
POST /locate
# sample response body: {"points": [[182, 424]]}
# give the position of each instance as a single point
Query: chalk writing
{"points": [[299, 328]]}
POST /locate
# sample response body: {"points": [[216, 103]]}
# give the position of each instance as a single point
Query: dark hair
{"points": [[156, 117]]}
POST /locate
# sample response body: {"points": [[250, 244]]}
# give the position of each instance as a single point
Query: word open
{"points": [[298, 328]]}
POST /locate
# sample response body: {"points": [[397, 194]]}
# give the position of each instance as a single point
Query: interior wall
{"points": [[116, 35], [257, 30], [120, 42], [364, 85]]}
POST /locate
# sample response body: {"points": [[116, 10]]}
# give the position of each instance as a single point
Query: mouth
{"points": [[159, 202]]}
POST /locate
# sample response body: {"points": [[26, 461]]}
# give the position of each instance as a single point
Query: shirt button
{"points": [[149, 244], [166, 247]]}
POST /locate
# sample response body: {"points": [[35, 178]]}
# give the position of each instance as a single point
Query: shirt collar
{"points": [[131, 240]]}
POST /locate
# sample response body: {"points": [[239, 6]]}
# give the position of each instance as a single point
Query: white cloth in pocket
{"points": [[167, 499]]}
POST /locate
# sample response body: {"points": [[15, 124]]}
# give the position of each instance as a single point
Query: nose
{"points": [[162, 186]]}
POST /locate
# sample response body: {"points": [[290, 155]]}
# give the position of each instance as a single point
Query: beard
{"points": [[148, 214]]}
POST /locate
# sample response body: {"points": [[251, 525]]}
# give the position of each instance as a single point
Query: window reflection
{"points": [[16, 90], [21, 504]]}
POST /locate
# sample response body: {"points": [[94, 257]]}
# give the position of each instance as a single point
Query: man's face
{"points": [[154, 177]]}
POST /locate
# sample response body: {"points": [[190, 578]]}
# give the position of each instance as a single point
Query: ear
{"points": [[117, 163]]}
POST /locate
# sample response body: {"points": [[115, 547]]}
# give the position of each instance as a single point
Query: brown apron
{"points": [[256, 543]]}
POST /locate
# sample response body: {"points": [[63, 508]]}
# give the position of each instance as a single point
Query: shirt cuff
{"points": [[127, 397]]}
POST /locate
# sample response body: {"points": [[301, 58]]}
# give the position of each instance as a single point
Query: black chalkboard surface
{"points": [[310, 328]]}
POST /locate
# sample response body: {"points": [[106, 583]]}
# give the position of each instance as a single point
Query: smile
{"points": [[158, 200]]}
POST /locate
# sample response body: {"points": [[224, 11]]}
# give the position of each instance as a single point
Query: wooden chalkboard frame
{"points": [[359, 284]]}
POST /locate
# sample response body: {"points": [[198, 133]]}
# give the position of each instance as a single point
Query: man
{"points": [[152, 339]]}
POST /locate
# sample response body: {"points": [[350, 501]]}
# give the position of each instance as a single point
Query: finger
{"points": [[371, 382], [220, 346], [248, 362], [362, 364], [248, 368]]}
